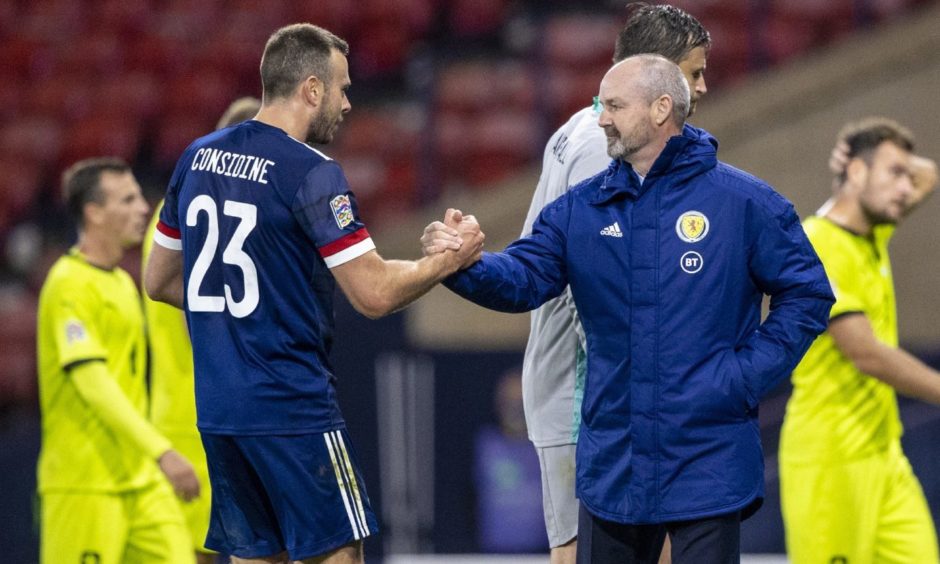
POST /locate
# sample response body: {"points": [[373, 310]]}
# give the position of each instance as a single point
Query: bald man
{"points": [[668, 254]]}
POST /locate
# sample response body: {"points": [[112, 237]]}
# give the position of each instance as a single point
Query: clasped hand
{"points": [[458, 233]]}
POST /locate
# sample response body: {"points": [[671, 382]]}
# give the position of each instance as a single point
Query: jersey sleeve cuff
{"points": [[167, 237], [347, 248]]}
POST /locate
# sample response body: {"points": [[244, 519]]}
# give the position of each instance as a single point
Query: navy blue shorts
{"points": [[299, 493]]}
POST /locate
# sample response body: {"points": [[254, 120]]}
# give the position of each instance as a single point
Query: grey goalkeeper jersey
{"points": [[553, 368]]}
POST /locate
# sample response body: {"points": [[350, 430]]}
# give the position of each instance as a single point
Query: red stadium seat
{"points": [[153, 53], [451, 135], [68, 96], [32, 139], [20, 184], [580, 40], [416, 16], [235, 55], [53, 20], [501, 144], [338, 16], [135, 95], [822, 20], [175, 132], [202, 91], [465, 87], [728, 10], [381, 50], [11, 97], [21, 57], [731, 54], [471, 18], [123, 17], [569, 90], [102, 134], [17, 347], [97, 54]]}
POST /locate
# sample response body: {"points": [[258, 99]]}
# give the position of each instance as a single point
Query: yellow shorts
{"points": [[139, 527], [859, 512], [197, 511]]}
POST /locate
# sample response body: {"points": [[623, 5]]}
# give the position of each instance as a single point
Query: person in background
{"points": [[847, 490], [172, 392], [103, 468], [506, 472]]}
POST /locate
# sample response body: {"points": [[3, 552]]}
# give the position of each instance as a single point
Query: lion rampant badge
{"points": [[692, 226]]}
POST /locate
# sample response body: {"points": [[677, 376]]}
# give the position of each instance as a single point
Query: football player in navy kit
{"points": [[257, 229]]}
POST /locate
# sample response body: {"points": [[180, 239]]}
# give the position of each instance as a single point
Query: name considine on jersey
{"points": [[248, 167]]}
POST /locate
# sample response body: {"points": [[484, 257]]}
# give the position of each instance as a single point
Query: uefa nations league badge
{"points": [[342, 210]]}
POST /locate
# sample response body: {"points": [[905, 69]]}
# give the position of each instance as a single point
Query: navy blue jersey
{"points": [[261, 218]]}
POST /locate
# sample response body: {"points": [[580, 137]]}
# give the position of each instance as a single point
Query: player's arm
{"points": [[377, 287], [163, 277], [853, 335], [107, 400]]}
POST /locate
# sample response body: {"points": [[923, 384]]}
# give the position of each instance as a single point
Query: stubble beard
{"points": [[618, 149], [876, 217], [614, 148], [320, 130]]}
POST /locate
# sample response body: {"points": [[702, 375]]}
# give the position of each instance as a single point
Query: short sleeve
{"points": [[76, 334], [328, 213], [842, 271], [167, 233]]}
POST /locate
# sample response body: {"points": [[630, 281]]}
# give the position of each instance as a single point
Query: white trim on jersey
{"points": [[348, 488], [315, 150], [166, 241], [349, 253]]}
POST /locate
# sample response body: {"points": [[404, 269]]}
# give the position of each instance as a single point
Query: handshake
{"points": [[458, 234]]}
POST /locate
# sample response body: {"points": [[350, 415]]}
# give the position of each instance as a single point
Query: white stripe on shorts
{"points": [[340, 470], [349, 478], [355, 486]]}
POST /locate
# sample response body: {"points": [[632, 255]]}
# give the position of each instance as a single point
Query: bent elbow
{"points": [[161, 293], [373, 306], [152, 289]]}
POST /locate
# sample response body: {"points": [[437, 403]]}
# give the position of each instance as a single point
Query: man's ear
{"points": [[93, 213], [661, 110], [313, 90], [856, 171]]}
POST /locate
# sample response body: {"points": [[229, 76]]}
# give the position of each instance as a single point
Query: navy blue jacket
{"points": [[668, 277]]}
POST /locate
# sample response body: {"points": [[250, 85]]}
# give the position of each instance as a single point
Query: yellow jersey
{"points": [[88, 313], [172, 391], [836, 412]]}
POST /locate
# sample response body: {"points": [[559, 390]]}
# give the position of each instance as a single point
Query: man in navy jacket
{"points": [[668, 254]]}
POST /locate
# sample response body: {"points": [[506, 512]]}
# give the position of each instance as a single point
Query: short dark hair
{"points": [[238, 111], [864, 136], [81, 183], [661, 29], [295, 52]]}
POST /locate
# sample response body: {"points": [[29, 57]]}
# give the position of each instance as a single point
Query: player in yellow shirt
{"points": [[847, 489], [103, 498], [173, 403]]}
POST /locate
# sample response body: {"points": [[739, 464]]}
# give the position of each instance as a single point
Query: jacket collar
{"points": [[684, 156]]}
